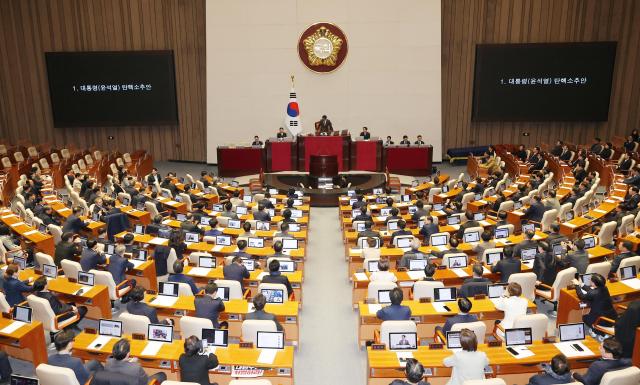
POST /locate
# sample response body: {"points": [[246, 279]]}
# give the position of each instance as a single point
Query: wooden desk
{"points": [[42, 242], [166, 360], [26, 343], [65, 212]]}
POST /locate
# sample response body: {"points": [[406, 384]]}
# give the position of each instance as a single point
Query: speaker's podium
{"points": [[334, 143]]}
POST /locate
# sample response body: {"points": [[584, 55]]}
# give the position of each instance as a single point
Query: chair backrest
{"points": [[432, 192], [601, 268], [44, 164], [192, 326], [424, 289], [4, 305], [626, 225], [466, 198], [56, 375], [70, 268], [371, 254], [171, 260], [105, 278], [56, 232], [18, 156], [151, 208], [66, 154], [628, 376], [488, 381], [6, 162], [186, 199], [528, 283], [630, 261], [275, 286], [235, 289], [537, 322], [43, 259], [184, 289], [375, 286], [251, 327], [42, 312], [478, 327], [395, 327], [563, 279], [88, 159], [548, 218], [133, 323], [605, 236]]}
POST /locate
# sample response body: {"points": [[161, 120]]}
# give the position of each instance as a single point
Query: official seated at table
{"points": [[420, 211], [611, 352], [527, 243], [512, 304], [405, 140], [91, 257], [58, 307], [625, 248], [413, 254], [256, 141], [118, 264], [464, 305], [419, 141], [66, 248], [556, 372], [597, 296], [236, 200], [536, 210], [468, 363], [154, 227], [359, 202], [246, 227], [388, 142], [262, 214], [209, 305], [429, 228], [368, 233], [578, 257], [284, 230], [469, 223], [281, 133], [277, 251], [136, 306], [63, 342], [383, 274], [120, 362], [395, 311], [485, 243], [477, 284], [266, 201], [236, 271], [414, 373], [364, 215], [324, 126], [153, 177], [13, 287], [633, 179], [48, 218], [259, 302], [195, 367], [12, 248], [275, 276], [178, 277], [453, 248], [429, 272], [402, 230]]}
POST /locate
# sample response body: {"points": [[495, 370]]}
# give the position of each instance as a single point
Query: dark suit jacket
{"points": [[598, 368], [13, 289], [362, 217], [535, 211], [615, 264], [64, 250], [473, 286], [73, 224], [151, 179], [394, 313], [506, 267], [526, 244], [132, 369], [196, 368], [118, 266], [578, 259], [209, 308], [458, 318], [428, 230], [56, 305], [73, 363], [599, 302], [141, 308], [262, 216], [419, 214], [160, 256], [263, 315], [184, 279], [358, 204], [235, 272], [91, 259], [277, 277], [467, 225]]}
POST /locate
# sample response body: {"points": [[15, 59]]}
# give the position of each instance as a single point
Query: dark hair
{"points": [[62, 339], [464, 304], [368, 224], [429, 269], [91, 243], [598, 280], [419, 204], [40, 283], [228, 206], [274, 265], [414, 371], [486, 236], [468, 340], [237, 259], [508, 251], [559, 364], [453, 242], [178, 267], [137, 294], [192, 345], [402, 224], [529, 234], [627, 245], [128, 238], [213, 221], [478, 269], [121, 349], [211, 288], [241, 244], [579, 244], [259, 301], [246, 226], [394, 212], [277, 246], [285, 226], [612, 346], [66, 236], [396, 296], [286, 214]]}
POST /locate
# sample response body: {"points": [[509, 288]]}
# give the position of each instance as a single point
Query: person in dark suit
{"points": [[191, 225], [429, 228], [545, 264], [365, 134], [275, 276], [625, 165], [259, 301], [154, 226], [324, 126], [597, 147], [363, 216], [193, 366], [242, 245], [631, 202], [468, 224], [91, 257], [625, 328], [405, 140], [153, 178], [281, 133], [597, 297], [13, 287], [209, 306], [359, 203], [634, 178], [266, 201], [536, 210], [120, 362], [63, 342], [73, 223], [48, 217], [625, 248], [118, 264], [462, 317], [521, 153], [58, 307], [607, 151], [368, 233], [507, 266], [137, 307], [395, 311], [557, 372], [420, 211], [388, 142], [579, 173], [261, 214], [213, 223], [160, 257], [419, 141], [578, 257], [414, 373], [477, 284], [177, 276], [402, 230], [236, 271], [611, 352], [527, 243], [566, 153]]}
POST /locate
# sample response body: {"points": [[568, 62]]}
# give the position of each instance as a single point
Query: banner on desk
{"points": [[246, 371], [292, 117]]}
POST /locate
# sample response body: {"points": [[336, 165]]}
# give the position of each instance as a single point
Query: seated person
{"points": [[368, 233], [58, 307], [177, 276], [420, 211], [388, 142], [275, 276], [484, 244], [557, 372], [262, 214], [195, 367], [13, 287], [395, 311], [91, 257], [136, 306], [412, 254], [598, 299], [429, 271], [429, 228], [395, 215], [364, 215], [383, 274], [118, 264], [155, 225], [120, 362], [507, 266], [63, 342], [256, 141], [228, 211], [281, 133], [611, 352], [359, 203], [190, 224], [284, 231], [476, 284], [11, 246], [213, 232], [468, 363], [242, 246], [236, 270], [463, 316], [402, 225], [209, 306], [246, 227], [512, 304], [414, 372], [405, 140], [259, 301]]}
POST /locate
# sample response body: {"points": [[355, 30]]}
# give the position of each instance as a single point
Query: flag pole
{"points": [[293, 84]]}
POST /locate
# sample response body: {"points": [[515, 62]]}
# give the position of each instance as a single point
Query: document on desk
{"points": [[361, 277], [12, 327], [460, 272], [600, 211], [416, 274], [267, 356], [456, 227], [405, 249], [403, 357], [164, 300], [152, 348], [200, 271], [17, 224], [30, 232], [374, 307], [633, 283], [485, 223], [537, 237], [523, 352], [99, 342], [440, 248], [570, 350], [171, 203], [485, 270], [157, 241], [166, 221], [217, 248], [440, 307], [250, 307], [356, 251], [381, 218]]}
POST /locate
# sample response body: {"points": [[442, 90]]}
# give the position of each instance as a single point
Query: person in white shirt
{"points": [[371, 252], [468, 363], [512, 304], [383, 275]]}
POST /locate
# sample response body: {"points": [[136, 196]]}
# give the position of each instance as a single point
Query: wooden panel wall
{"points": [[469, 22], [28, 28]]}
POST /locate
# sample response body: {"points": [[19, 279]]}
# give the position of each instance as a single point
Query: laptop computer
{"points": [[457, 262], [223, 240], [453, 220], [496, 291], [589, 242], [22, 314], [273, 295], [168, 288], [493, 258], [501, 233], [528, 226], [472, 236], [438, 206], [385, 211], [50, 271], [518, 337], [403, 341], [453, 340], [287, 266], [204, 220], [263, 226], [86, 279], [270, 340], [392, 225], [206, 262], [527, 255], [215, 337], [478, 217], [438, 240], [384, 296], [255, 242], [139, 229], [160, 333], [111, 328], [240, 210], [249, 264], [417, 264], [628, 272], [233, 224], [572, 333], [181, 217], [289, 244], [22, 380], [404, 242], [191, 237], [444, 294]]}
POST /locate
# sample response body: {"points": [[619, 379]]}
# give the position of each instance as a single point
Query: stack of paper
{"points": [[136, 263], [440, 307], [201, 271], [569, 350], [99, 342], [374, 307], [403, 357], [361, 277], [152, 348], [267, 356], [30, 232], [12, 327], [217, 248], [157, 241], [460, 272], [164, 300], [523, 352], [633, 283], [416, 274]]}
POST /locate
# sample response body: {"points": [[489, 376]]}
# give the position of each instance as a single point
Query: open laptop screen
{"points": [[215, 337], [444, 294], [273, 295], [270, 340], [571, 332], [111, 328], [160, 333], [403, 341], [518, 336]]}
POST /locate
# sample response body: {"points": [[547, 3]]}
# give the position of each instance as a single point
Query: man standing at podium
{"points": [[324, 126]]}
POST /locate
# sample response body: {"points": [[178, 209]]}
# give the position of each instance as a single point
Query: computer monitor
{"points": [[287, 266], [166, 194], [235, 183], [372, 266], [444, 294], [43, 229], [392, 225], [263, 226], [501, 233], [21, 380], [628, 272], [85, 278], [477, 197], [139, 254], [571, 332], [223, 293], [273, 191], [241, 210], [438, 240], [247, 198], [355, 212], [163, 233], [478, 217], [178, 198], [378, 191], [528, 226], [558, 249], [249, 264], [21, 262], [204, 220], [496, 291], [403, 341], [517, 205], [111, 328], [125, 201], [528, 253], [181, 217], [404, 242], [233, 224], [273, 295], [494, 257], [417, 264], [215, 337], [568, 215], [139, 229], [160, 333], [453, 340], [445, 189], [270, 340], [94, 217], [384, 296], [191, 237], [207, 262], [297, 202], [472, 236], [457, 262], [412, 209], [518, 336], [22, 313], [405, 198], [589, 242], [360, 227], [289, 244], [217, 208], [168, 288], [385, 211], [50, 271], [438, 206], [453, 220], [296, 214], [586, 279], [109, 248], [223, 240], [351, 193], [255, 242]]}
